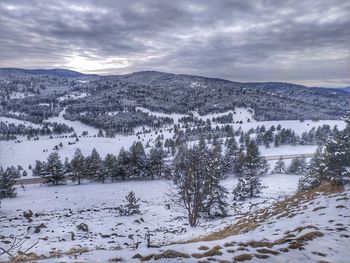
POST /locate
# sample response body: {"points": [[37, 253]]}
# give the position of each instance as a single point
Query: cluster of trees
{"points": [[297, 166], [123, 121], [273, 136], [199, 170], [197, 174], [281, 136], [129, 164], [330, 163], [9, 131]]}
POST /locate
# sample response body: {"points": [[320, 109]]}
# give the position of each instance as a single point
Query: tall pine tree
{"points": [[54, 169]]}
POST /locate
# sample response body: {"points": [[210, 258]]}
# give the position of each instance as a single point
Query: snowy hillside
{"points": [[309, 226]]}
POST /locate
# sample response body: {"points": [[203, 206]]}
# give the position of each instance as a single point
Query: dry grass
{"points": [[309, 236], [267, 251], [243, 257], [301, 228], [229, 244], [33, 257], [340, 206], [203, 248], [249, 222], [261, 256], [166, 254], [215, 251], [318, 208], [256, 244]]}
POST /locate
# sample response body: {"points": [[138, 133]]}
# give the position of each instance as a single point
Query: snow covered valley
{"points": [[84, 223]]}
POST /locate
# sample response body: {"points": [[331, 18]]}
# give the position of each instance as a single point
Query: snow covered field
{"points": [[62, 208], [59, 210]]}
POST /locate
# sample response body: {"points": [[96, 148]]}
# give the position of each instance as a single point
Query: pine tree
{"points": [[138, 160], [156, 160], [124, 164], [188, 183], [280, 166], [95, 166], [298, 166], [39, 169], [110, 166], [132, 205], [316, 172], [231, 153], [67, 168], [254, 166], [241, 191], [77, 164], [14, 172], [337, 156], [239, 162], [54, 169], [7, 182], [215, 194]]}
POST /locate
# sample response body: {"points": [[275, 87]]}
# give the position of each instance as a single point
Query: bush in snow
{"points": [[132, 205]]}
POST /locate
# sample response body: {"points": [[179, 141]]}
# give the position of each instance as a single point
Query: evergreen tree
{"points": [[138, 160], [110, 166], [67, 168], [316, 172], [123, 167], [231, 154], [337, 155], [95, 166], [298, 166], [280, 166], [254, 166], [7, 182], [215, 194], [77, 164], [188, 182], [14, 172], [54, 169], [39, 169], [239, 162], [156, 159], [132, 205]]}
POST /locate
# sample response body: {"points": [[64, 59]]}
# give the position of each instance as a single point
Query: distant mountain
{"points": [[49, 72], [347, 89]]}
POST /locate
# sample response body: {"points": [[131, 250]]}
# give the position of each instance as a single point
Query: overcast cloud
{"points": [[304, 42]]}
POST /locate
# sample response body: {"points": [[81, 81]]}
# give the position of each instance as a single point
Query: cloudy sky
{"points": [[305, 42]]}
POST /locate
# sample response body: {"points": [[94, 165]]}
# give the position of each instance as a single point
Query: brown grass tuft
{"points": [[243, 257], [203, 248], [267, 251]]}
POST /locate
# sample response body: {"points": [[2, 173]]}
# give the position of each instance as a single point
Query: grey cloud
{"points": [[295, 41]]}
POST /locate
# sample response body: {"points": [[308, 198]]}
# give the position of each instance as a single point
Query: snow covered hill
{"points": [[311, 226]]}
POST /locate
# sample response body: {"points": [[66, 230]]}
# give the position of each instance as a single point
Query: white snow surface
{"points": [[62, 208]]}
